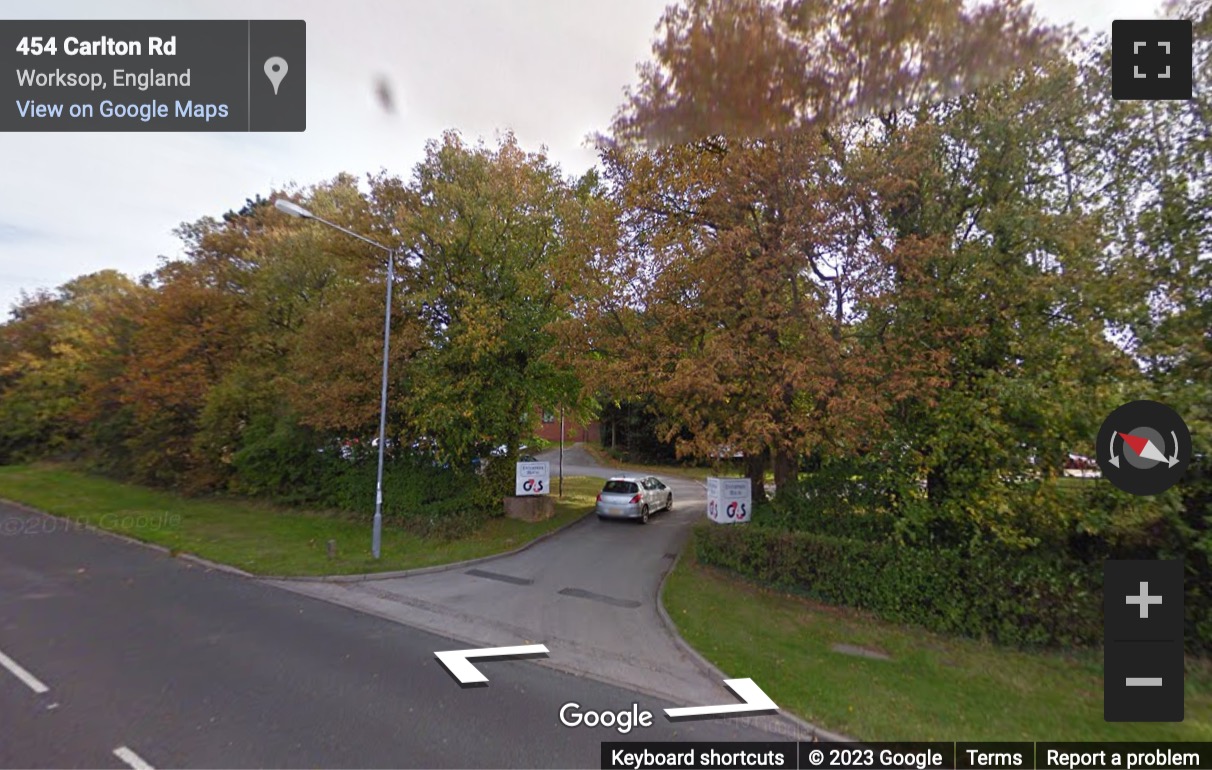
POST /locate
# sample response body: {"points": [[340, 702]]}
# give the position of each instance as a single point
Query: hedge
{"points": [[1030, 599]]}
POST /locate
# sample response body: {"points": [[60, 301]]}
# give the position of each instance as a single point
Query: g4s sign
{"points": [[729, 500], [532, 479]]}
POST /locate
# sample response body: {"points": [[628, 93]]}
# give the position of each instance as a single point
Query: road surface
{"points": [[116, 655], [589, 594]]}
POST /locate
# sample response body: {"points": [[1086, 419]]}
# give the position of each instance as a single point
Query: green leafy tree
{"points": [[985, 192], [1153, 175], [60, 356], [483, 231]]}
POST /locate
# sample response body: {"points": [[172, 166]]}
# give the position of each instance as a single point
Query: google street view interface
{"points": [[625, 384]]}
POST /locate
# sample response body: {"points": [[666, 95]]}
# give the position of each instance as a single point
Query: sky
{"points": [[552, 71]]}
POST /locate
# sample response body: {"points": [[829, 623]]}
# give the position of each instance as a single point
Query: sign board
{"points": [[533, 479], [729, 501]]}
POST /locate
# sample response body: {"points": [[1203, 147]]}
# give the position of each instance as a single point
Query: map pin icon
{"points": [[275, 70]]}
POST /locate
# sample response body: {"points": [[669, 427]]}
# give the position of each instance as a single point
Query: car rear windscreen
{"points": [[621, 487]]}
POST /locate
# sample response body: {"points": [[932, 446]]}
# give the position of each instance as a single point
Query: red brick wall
{"points": [[573, 430]]}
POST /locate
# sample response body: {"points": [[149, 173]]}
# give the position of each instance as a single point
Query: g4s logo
{"points": [[533, 485]]}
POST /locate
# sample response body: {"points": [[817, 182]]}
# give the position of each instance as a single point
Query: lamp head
{"points": [[291, 208]]}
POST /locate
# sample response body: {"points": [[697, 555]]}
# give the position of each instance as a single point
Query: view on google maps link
{"points": [[638, 384]]}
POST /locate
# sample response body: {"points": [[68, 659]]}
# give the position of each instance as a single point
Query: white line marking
{"points": [[131, 758], [30, 680], [1144, 681]]}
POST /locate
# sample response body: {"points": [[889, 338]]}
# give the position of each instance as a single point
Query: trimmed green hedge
{"points": [[1026, 599]]}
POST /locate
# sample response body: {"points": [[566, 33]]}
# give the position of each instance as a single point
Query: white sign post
{"points": [[729, 501], [532, 479]]}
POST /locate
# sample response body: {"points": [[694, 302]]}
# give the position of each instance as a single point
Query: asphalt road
{"points": [[182, 666]]}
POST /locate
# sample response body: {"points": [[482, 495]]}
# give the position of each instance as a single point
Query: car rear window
{"points": [[621, 487]]}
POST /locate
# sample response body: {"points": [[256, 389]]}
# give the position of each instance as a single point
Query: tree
{"points": [[988, 191], [190, 337], [483, 230], [762, 262], [1153, 178], [752, 68], [310, 321], [60, 355], [337, 285], [737, 295]]}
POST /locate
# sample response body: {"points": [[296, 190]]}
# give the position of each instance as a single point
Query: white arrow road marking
{"points": [[29, 679], [457, 664], [752, 695], [132, 759]]}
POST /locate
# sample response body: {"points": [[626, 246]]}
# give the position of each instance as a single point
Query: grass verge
{"points": [[264, 539], [932, 688]]}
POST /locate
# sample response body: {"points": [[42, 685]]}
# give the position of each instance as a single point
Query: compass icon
{"points": [[1144, 447]]}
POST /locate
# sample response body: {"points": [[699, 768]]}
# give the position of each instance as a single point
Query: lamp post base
{"points": [[377, 536]]}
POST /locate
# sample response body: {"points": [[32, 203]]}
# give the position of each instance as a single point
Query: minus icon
{"points": [[1144, 681]]}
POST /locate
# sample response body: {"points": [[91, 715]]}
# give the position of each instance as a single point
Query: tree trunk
{"points": [[755, 469], [786, 471], [936, 486]]}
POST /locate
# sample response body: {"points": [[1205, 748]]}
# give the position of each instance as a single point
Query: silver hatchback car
{"points": [[633, 497]]}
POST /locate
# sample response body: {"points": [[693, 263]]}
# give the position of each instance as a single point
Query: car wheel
{"points": [[601, 517], [644, 515], [669, 503]]}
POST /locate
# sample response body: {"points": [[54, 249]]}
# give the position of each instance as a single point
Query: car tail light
{"points": [[635, 499], [599, 497]]}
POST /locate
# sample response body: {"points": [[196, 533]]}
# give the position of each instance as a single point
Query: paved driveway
{"points": [[588, 593]]}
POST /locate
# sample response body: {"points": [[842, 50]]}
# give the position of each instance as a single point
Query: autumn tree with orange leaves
{"points": [[738, 299], [755, 285]]}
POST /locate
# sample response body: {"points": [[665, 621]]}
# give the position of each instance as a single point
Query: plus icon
{"points": [[1144, 600]]}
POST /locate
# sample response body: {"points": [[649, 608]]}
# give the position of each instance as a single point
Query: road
{"points": [[172, 664]]}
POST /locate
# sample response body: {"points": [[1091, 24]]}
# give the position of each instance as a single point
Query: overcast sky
{"points": [[553, 71]]}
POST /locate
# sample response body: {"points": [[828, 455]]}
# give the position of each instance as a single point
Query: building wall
{"points": [[549, 429]]}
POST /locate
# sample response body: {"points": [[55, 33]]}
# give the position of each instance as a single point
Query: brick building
{"points": [[549, 429]]}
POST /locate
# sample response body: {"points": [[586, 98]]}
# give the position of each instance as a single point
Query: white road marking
{"points": [[29, 679], [131, 758]]}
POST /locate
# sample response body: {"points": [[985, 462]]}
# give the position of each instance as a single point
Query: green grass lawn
{"points": [[264, 539], [933, 688]]}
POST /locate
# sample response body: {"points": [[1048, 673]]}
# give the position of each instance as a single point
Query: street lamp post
{"points": [[295, 210]]}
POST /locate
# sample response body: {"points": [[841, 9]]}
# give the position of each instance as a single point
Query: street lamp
{"points": [[295, 210]]}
